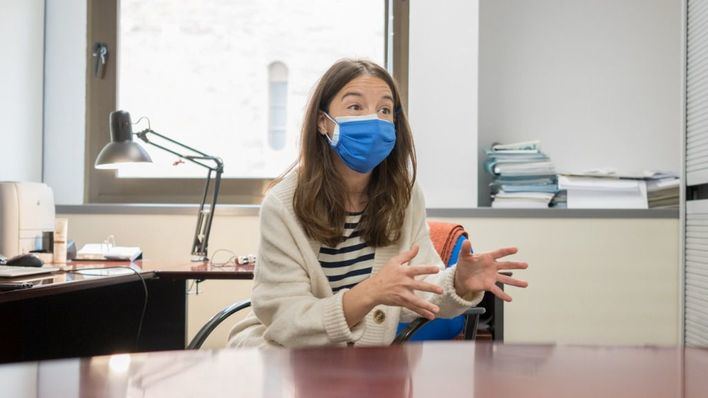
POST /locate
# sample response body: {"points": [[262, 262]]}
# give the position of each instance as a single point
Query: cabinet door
{"points": [[696, 172], [696, 266], [697, 93]]}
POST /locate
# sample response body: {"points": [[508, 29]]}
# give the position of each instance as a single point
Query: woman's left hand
{"points": [[478, 272]]}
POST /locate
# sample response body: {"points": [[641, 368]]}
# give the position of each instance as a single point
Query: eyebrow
{"points": [[352, 93], [358, 94]]}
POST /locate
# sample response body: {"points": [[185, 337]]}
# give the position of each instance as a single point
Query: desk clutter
{"points": [[108, 252], [663, 192], [228, 258], [524, 177], [605, 189]]}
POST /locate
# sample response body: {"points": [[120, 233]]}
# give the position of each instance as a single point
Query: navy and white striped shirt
{"points": [[351, 261]]}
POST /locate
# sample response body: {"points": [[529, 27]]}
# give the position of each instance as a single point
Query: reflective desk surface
{"points": [[443, 369], [90, 274], [96, 308]]}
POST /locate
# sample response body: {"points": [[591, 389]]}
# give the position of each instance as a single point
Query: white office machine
{"points": [[26, 213]]}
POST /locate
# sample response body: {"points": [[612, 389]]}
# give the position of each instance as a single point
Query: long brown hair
{"points": [[319, 200]]}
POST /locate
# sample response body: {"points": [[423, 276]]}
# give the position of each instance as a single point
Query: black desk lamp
{"points": [[122, 150]]}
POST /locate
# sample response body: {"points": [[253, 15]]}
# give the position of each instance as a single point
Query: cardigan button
{"points": [[379, 316]]}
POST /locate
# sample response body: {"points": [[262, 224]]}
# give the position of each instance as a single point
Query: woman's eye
{"points": [[354, 107], [386, 111]]}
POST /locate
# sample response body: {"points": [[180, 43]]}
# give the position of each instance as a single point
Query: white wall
{"points": [[65, 102], [21, 70], [442, 102], [591, 281], [598, 82]]}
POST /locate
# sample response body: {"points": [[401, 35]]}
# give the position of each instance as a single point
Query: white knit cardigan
{"points": [[293, 304]]}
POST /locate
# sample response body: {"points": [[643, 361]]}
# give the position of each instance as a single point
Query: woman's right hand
{"points": [[395, 284]]}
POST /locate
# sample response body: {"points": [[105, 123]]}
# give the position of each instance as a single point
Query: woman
{"points": [[345, 253]]}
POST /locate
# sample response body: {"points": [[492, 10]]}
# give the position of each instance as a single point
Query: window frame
{"points": [[104, 186]]}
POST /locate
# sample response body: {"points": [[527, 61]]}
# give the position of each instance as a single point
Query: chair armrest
{"points": [[405, 334], [209, 327], [475, 311]]}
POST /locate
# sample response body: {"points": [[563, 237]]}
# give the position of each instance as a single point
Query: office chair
{"points": [[444, 328], [419, 329]]}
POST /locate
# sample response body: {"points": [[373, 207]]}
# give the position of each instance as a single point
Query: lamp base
{"points": [[199, 258]]}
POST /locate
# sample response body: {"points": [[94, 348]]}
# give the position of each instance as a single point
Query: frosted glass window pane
{"points": [[199, 69]]}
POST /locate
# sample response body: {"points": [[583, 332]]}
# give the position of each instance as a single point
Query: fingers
{"points": [[495, 290], [408, 255], [424, 313], [512, 265], [420, 306], [466, 248], [507, 251], [426, 287], [415, 270], [511, 281]]}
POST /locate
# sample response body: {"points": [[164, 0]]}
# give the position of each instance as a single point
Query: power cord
{"points": [[230, 261], [145, 291]]}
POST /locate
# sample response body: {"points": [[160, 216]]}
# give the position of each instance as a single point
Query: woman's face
{"points": [[362, 96]]}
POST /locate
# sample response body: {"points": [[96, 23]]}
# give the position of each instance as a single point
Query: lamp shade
{"points": [[121, 149]]}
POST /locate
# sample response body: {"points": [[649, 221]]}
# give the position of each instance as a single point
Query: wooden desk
{"points": [[82, 312], [78, 276], [449, 369], [190, 270]]}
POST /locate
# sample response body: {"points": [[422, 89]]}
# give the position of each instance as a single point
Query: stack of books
{"points": [[524, 177]]}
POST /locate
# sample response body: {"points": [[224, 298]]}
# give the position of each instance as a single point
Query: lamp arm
{"points": [[200, 243], [219, 164], [143, 136], [212, 207]]}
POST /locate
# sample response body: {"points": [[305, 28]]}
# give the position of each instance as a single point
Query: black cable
{"points": [[145, 291]]}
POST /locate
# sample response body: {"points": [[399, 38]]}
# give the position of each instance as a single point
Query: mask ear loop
{"points": [[335, 133]]}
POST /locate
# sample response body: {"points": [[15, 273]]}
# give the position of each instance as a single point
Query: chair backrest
{"points": [[447, 239]]}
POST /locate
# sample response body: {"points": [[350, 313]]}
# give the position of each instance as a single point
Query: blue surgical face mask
{"points": [[362, 142]]}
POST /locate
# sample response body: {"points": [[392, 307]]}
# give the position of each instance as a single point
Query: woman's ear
{"points": [[322, 122]]}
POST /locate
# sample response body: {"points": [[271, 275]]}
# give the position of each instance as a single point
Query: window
{"points": [[278, 104], [231, 79]]}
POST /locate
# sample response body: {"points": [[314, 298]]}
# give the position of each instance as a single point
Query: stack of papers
{"points": [[524, 177], [97, 251], [663, 193], [522, 200], [560, 201], [585, 192]]}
